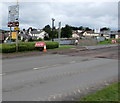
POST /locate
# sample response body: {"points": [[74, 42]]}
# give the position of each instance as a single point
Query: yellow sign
{"points": [[16, 28], [14, 35]]}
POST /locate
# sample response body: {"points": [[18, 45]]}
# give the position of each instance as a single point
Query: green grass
{"points": [[109, 93], [105, 42]]}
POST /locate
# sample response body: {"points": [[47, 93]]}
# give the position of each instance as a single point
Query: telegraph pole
{"points": [[59, 33], [53, 28]]}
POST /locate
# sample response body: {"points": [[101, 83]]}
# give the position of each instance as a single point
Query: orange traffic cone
{"points": [[45, 48]]}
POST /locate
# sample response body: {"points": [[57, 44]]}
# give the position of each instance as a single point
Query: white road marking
{"points": [[1, 74], [35, 68], [44, 67], [72, 62]]}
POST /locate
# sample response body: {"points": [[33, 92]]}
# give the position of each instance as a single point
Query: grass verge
{"points": [[109, 93]]}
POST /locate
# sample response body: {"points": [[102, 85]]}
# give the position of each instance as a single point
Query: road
{"points": [[54, 77]]}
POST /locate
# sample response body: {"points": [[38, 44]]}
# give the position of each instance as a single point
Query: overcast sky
{"points": [[89, 14]]}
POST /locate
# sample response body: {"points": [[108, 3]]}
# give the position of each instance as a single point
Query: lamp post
{"points": [[53, 28], [59, 33]]}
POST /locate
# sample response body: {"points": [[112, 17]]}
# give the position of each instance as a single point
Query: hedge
{"points": [[52, 45], [29, 46]]}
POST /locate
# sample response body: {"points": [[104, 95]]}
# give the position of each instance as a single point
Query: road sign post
{"points": [[13, 20]]}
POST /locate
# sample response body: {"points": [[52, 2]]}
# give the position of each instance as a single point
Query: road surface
{"points": [[54, 77]]}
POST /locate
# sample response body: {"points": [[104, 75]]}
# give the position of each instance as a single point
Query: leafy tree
{"points": [[104, 29], [66, 32], [48, 30], [81, 28], [87, 29]]}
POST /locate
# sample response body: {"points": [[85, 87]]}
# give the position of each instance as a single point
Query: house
{"points": [[4, 35], [32, 33], [24, 35], [110, 34], [77, 33], [37, 34], [87, 34]]}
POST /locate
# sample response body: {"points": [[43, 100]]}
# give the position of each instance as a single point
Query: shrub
{"points": [[8, 49], [25, 46], [29, 46], [22, 48], [52, 45]]}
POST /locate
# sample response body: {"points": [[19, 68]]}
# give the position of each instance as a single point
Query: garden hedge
{"points": [[28, 46]]}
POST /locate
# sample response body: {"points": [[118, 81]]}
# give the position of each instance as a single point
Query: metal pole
{"points": [[53, 28], [59, 33], [10, 34], [17, 41]]}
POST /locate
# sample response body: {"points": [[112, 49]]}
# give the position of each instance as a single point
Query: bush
{"points": [[29, 46], [8, 49], [52, 45], [22, 48], [25, 46]]}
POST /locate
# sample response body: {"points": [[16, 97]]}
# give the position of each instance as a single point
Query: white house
{"points": [[75, 35], [37, 34], [91, 34]]}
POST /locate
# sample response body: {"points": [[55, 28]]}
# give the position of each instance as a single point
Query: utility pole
{"points": [[59, 33], [53, 28]]}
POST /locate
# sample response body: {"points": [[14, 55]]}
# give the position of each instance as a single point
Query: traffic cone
{"points": [[45, 48]]}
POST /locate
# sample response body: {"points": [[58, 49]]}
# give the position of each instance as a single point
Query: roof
{"points": [[25, 36], [36, 32]]}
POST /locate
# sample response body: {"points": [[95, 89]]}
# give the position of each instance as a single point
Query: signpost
{"points": [[13, 16], [13, 21]]}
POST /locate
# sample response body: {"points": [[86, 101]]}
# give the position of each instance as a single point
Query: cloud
{"points": [[91, 14]]}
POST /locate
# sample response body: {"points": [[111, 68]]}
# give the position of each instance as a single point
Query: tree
{"points": [[48, 30], [81, 28], [104, 29], [66, 32], [87, 29]]}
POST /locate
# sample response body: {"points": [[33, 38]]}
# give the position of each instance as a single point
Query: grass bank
{"points": [[109, 93], [109, 41]]}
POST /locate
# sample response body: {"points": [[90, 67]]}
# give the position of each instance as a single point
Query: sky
{"points": [[92, 14]]}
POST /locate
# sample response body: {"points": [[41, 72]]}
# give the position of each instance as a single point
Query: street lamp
{"points": [[53, 28]]}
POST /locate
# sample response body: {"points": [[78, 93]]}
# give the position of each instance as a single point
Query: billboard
{"points": [[13, 16]]}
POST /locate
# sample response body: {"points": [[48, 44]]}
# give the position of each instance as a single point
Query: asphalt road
{"points": [[53, 77]]}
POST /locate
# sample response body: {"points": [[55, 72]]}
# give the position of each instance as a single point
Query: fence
{"points": [[82, 42]]}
